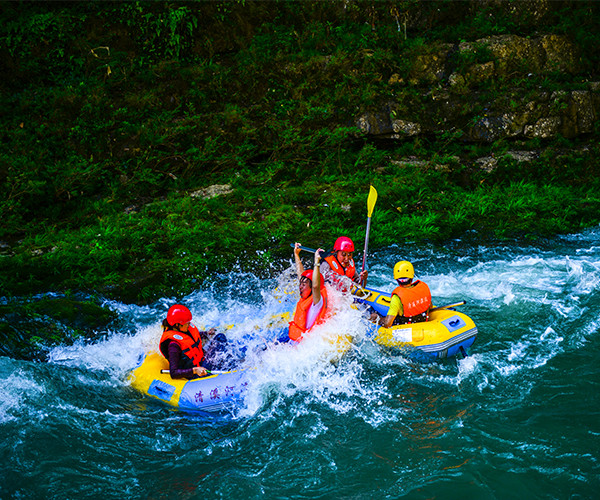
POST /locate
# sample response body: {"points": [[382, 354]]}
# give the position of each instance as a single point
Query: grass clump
{"points": [[117, 114]]}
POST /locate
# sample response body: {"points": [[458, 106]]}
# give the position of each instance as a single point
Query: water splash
{"points": [[518, 283], [316, 412]]}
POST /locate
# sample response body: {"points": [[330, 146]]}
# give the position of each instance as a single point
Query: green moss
{"points": [[127, 109], [30, 326]]}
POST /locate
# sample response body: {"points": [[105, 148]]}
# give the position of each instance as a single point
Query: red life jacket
{"points": [[338, 270], [190, 343], [416, 301], [298, 324], [336, 267]]}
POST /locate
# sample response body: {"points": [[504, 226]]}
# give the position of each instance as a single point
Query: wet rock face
{"points": [[515, 54], [482, 88]]}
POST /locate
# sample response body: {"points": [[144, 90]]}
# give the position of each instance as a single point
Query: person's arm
{"points": [[361, 278], [174, 360], [299, 266], [316, 281], [394, 310]]}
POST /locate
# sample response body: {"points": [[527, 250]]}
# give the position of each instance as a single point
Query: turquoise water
{"points": [[519, 418]]}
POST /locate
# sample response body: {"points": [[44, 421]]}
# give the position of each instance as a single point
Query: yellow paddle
{"points": [[371, 200]]}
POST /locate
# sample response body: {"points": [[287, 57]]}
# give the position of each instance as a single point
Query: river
{"points": [[518, 418]]}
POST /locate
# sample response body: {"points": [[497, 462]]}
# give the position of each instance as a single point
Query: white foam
{"points": [[18, 388], [532, 296]]}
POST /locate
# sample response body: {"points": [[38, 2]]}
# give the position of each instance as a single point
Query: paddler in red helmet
{"points": [[181, 344], [340, 262], [312, 306]]}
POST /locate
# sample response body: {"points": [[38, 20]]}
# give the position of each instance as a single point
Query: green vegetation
{"points": [[115, 116]]}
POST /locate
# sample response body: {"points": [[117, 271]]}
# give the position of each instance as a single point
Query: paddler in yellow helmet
{"points": [[411, 300]]}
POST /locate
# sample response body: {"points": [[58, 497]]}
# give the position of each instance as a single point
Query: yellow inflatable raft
{"points": [[214, 393], [446, 334]]}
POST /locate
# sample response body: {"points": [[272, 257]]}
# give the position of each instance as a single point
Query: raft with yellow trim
{"points": [[446, 334], [218, 392], [378, 300], [215, 393]]}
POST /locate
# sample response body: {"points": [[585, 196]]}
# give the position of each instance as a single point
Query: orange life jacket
{"points": [[298, 324], [416, 301], [190, 343], [336, 267]]}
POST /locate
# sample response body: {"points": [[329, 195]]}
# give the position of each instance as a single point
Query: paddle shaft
{"points": [[456, 304], [209, 372], [371, 200], [364, 264], [462, 303], [306, 249]]}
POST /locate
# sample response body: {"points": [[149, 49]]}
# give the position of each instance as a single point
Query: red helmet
{"points": [[178, 314], [344, 244], [309, 274]]}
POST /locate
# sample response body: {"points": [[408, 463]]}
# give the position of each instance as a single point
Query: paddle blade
{"points": [[371, 201]]}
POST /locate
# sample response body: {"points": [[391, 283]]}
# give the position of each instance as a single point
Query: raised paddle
{"points": [[371, 200], [312, 250], [364, 290]]}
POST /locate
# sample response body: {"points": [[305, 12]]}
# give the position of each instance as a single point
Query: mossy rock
{"points": [[29, 327]]}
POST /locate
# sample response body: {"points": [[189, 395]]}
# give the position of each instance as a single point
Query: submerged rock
{"points": [[29, 327]]}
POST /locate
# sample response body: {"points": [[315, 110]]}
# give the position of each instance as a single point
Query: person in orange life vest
{"points": [[411, 300], [181, 344], [339, 262], [312, 306]]}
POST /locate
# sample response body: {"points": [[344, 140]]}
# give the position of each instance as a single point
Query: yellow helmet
{"points": [[404, 269]]}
